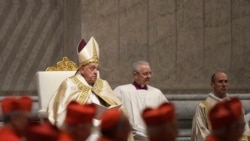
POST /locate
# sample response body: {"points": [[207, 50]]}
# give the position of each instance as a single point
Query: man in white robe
{"points": [[201, 126], [137, 96], [83, 87]]}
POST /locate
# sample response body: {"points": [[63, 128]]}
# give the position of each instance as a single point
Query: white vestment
{"points": [[76, 88], [135, 101]]}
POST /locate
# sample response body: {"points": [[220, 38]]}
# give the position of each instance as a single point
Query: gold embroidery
{"points": [[97, 88], [207, 109], [244, 138], [94, 59], [83, 96], [110, 102]]}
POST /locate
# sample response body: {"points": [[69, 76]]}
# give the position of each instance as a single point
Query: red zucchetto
{"points": [[161, 122], [79, 113], [110, 119], [152, 117], [225, 113], [11, 104], [168, 111], [235, 106], [162, 114], [219, 116]]}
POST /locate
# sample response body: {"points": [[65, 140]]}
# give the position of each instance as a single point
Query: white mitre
{"points": [[88, 53]]}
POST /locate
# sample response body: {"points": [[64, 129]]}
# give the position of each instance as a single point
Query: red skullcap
{"points": [[79, 113], [235, 106], [152, 116], [163, 114], [110, 119], [168, 111], [25, 103], [220, 116], [11, 104]]}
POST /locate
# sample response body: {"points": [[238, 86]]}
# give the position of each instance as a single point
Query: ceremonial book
{"points": [[100, 109]]}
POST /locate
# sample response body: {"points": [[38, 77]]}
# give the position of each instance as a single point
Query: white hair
{"points": [[136, 65]]}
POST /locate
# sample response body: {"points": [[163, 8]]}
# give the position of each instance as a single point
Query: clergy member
{"points": [[138, 95], [84, 87], [16, 113]]}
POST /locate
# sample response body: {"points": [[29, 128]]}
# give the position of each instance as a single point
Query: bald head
{"points": [[219, 83]]}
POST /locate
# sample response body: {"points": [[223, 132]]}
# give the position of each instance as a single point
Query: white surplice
{"points": [[135, 101]]}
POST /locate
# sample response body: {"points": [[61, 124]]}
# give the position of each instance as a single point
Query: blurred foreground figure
{"points": [[43, 132], [227, 121], [16, 113], [114, 126], [78, 122], [161, 122]]}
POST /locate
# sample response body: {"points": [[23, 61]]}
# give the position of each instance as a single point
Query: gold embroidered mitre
{"points": [[88, 53]]}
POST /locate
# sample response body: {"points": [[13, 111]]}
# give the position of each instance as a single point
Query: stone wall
{"points": [[184, 41], [35, 34]]}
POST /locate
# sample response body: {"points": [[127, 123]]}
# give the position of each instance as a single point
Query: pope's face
{"points": [[143, 76], [90, 72]]}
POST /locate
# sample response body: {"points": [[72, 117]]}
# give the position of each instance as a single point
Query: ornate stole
{"points": [[207, 109], [96, 89]]}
